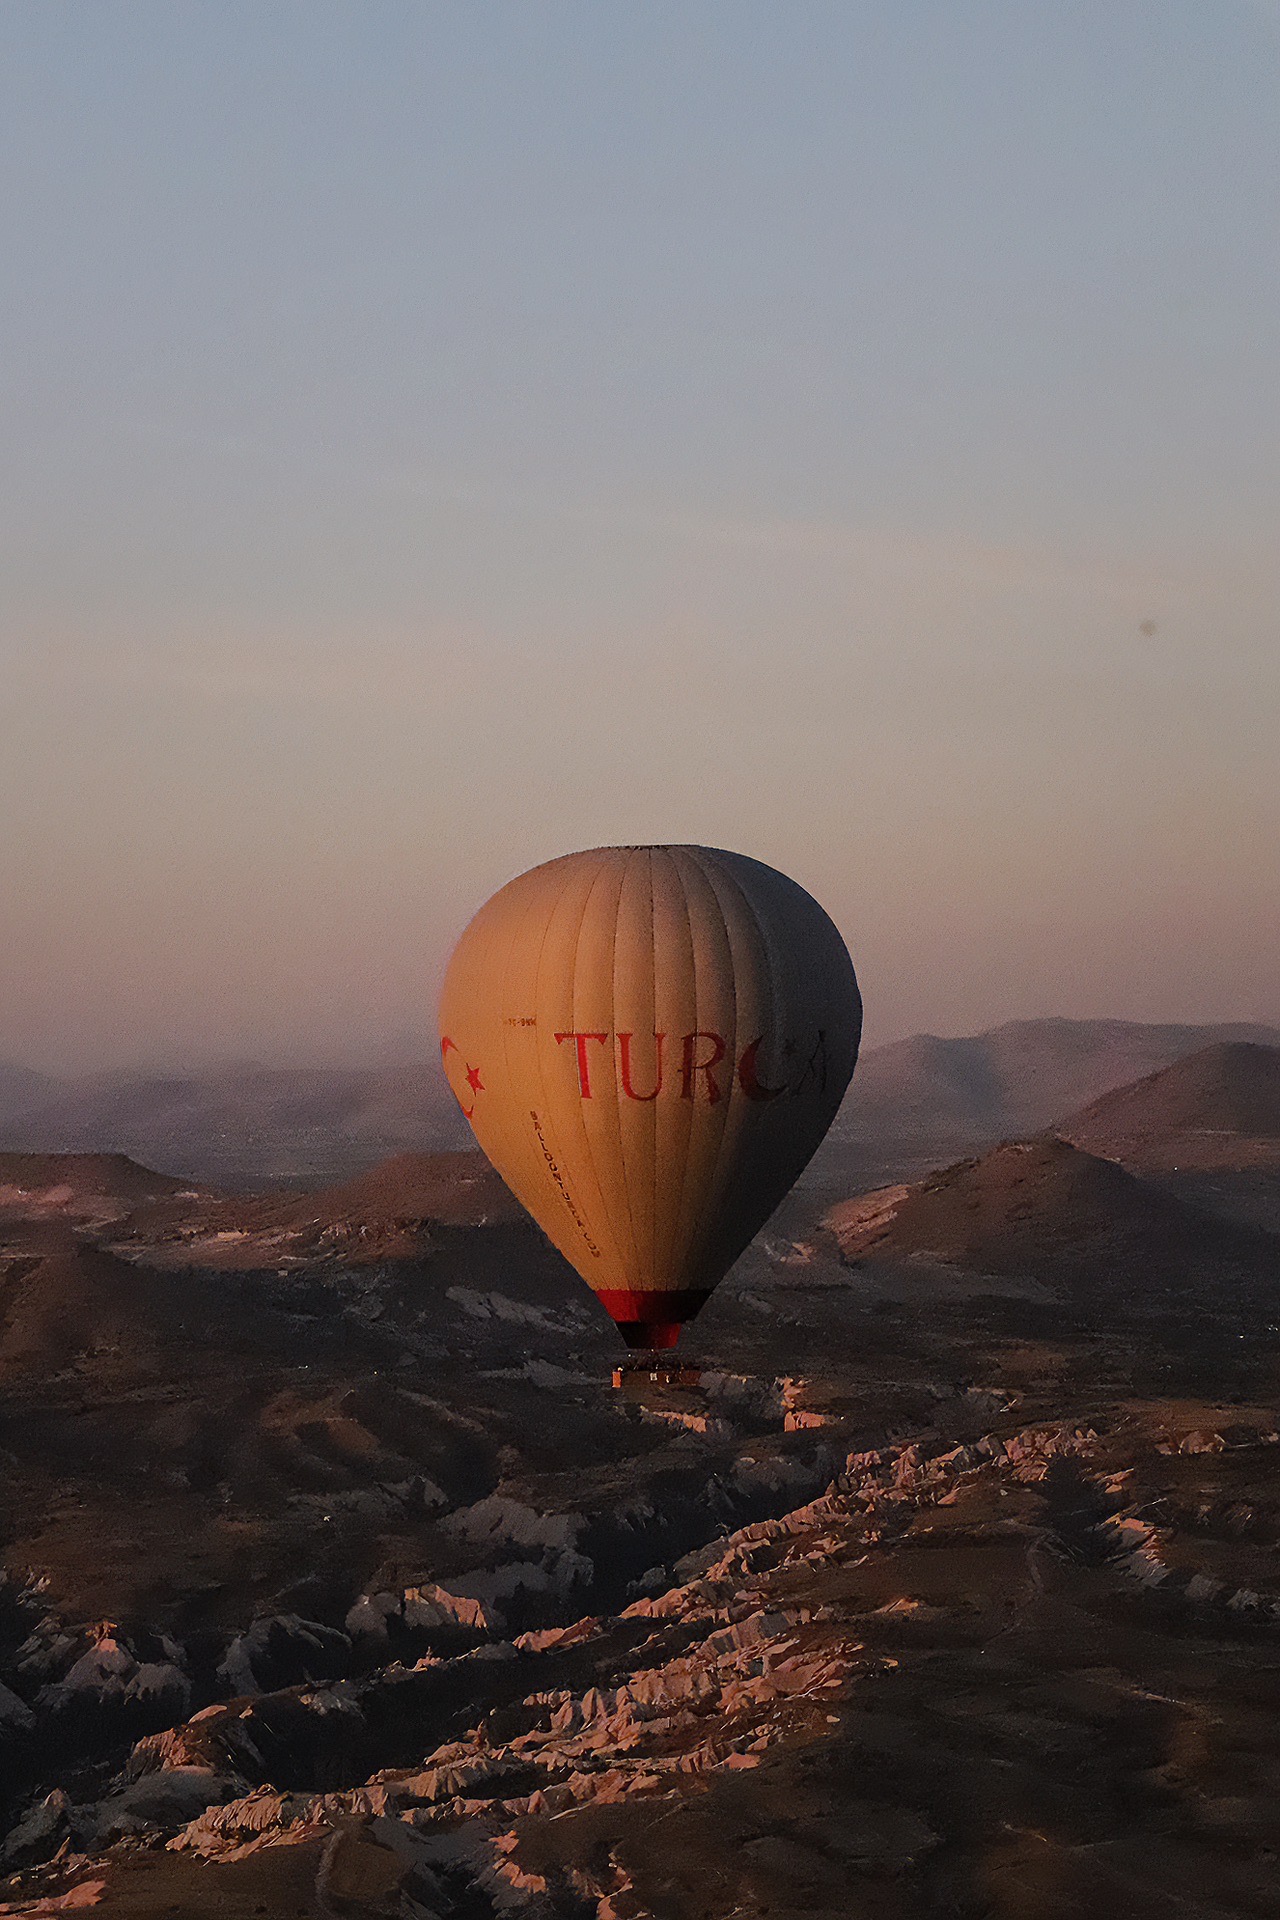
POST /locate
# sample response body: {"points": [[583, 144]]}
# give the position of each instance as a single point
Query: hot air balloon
{"points": [[649, 1044]]}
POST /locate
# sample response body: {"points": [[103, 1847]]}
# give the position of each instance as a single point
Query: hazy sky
{"points": [[434, 437]]}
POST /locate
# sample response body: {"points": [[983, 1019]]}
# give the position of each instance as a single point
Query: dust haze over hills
{"points": [[22, 1090], [242, 1126], [338, 1579], [260, 1126]]}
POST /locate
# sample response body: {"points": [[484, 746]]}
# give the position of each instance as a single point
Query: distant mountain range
{"points": [[240, 1127], [249, 1127], [1014, 1079]]}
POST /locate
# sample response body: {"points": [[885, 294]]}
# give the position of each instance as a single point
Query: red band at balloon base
{"points": [[651, 1320]]}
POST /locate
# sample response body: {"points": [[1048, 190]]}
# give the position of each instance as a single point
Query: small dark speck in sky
{"points": [[1147, 627]]}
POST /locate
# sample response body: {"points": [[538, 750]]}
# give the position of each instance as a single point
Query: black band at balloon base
{"points": [[649, 1336]]}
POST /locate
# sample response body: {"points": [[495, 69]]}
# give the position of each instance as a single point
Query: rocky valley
{"points": [[339, 1578]]}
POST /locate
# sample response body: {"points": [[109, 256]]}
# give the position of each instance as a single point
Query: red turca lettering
{"points": [[691, 1065], [624, 1066], [584, 1071], [749, 1074]]}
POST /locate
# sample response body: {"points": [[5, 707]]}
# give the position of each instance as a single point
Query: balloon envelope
{"points": [[649, 1044]]}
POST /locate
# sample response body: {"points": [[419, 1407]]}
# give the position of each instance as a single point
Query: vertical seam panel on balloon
{"points": [[796, 1158], [539, 1051], [603, 874], [783, 1009], [513, 945], [684, 1216], [839, 953], [514, 1131], [624, 859], [651, 1110], [731, 1042], [628, 858], [753, 919], [685, 1119]]}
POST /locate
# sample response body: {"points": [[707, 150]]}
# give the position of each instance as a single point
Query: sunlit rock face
{"points": [[339, 1578]]}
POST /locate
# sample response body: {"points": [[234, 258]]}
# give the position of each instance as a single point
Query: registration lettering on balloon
{"points": [[565, 1194]]}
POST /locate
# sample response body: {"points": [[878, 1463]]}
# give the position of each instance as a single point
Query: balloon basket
{"points": [[635, 1375]]}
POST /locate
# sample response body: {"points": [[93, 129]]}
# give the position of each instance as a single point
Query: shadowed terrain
{"points": [[340, 1581]]}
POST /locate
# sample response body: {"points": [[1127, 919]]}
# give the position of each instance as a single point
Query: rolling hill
{"points": [[80, 1186], [1044, 1209], [1206, 1128], [384, 1214], [1213, 1106]]}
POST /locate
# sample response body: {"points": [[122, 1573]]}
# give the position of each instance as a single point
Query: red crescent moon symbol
{"points": [[448, 1046], [749, 1080]]}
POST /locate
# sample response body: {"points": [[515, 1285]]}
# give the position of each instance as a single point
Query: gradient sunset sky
{"points": [[434, 437]]}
